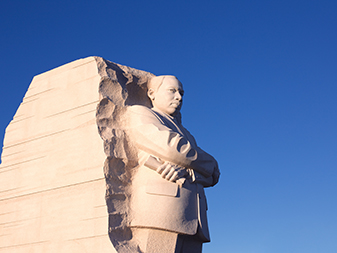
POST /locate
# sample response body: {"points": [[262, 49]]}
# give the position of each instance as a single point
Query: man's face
{"points": [[169, 97]]}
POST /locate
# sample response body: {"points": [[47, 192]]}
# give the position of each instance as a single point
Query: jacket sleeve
{"points": [[151, 135]]}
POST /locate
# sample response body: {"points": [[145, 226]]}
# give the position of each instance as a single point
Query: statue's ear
{"points": [[150, 93]]}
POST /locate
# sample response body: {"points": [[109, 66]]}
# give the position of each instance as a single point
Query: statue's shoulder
{"points": [[140, 110], [139, 114]]}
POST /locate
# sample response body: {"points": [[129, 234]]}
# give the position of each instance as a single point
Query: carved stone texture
{"points": [[52, 184], [120, 87]]}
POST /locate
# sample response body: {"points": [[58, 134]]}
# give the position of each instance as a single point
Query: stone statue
{"points": [[156, 186], [170, 200], [54, 195]]}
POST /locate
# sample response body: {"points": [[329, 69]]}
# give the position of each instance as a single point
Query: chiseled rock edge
{"points": [[119, 87]]}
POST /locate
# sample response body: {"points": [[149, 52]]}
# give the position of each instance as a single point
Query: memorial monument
{"points": [[96, 160]]}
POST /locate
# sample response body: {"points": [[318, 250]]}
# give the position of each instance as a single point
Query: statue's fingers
{"points": [[170, 174], [165, 171], [174, 177], [161, 168]]}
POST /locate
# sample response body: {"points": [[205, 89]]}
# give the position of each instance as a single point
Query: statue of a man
{"points": [[168, 203]]}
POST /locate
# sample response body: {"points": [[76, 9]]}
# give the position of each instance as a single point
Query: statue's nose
{"points": [[178, 96]]}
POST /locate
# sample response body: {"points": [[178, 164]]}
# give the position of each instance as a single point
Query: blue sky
{"points": [[260, 95]]}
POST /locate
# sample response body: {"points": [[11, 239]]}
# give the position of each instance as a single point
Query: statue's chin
{"points": [[172, 110], [175, 113]]}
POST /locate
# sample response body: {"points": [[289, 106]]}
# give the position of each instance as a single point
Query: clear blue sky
{"points": [[260, 80]]}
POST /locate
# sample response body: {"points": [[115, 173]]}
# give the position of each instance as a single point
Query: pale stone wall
{"points": [[52, 186]]}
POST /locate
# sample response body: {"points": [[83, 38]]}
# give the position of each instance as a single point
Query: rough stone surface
{"points": [[52, 182], [119, 88]]}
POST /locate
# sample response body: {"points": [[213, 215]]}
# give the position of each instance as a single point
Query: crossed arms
{"points": [[151, 133]]}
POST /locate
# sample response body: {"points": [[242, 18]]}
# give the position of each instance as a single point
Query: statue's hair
{"points": [[157, 81]]}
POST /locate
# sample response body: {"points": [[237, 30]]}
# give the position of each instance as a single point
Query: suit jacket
{"points": [[156, 202]]}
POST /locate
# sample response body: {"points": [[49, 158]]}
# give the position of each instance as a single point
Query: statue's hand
{"points": [[171, 172]]}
